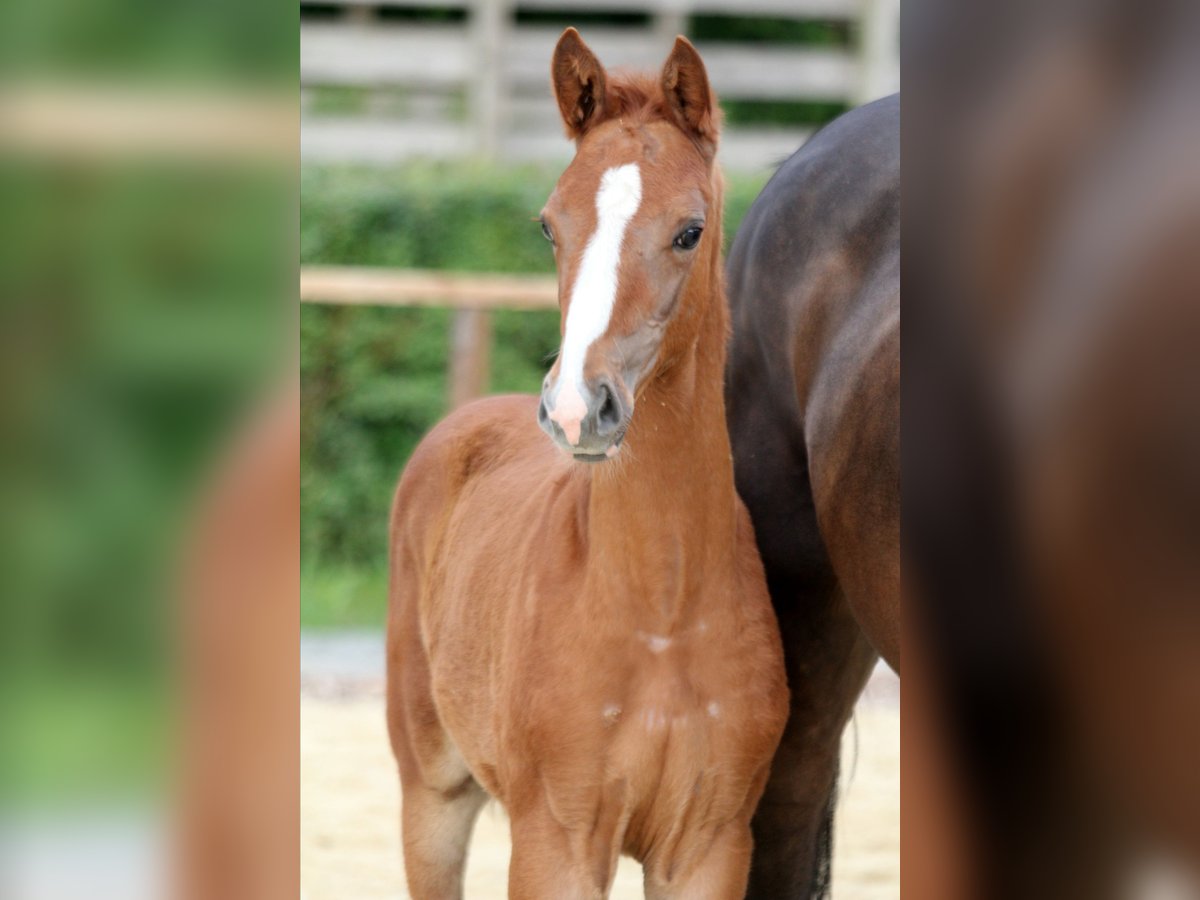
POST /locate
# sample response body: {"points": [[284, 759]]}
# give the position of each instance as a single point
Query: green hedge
{"points": [[374, 379]]}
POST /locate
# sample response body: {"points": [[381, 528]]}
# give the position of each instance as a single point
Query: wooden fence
{"points": [[480, 86], [471, 296]]}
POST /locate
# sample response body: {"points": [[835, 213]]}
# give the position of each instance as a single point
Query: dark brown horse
{"points": [[813, 399]]}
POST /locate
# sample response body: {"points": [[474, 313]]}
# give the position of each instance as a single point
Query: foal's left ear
{"points": [[689, 99]]}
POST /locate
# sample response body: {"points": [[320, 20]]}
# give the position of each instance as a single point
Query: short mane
{"points": [[638, 97]]}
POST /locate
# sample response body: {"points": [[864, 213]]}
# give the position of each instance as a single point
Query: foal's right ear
{"points": [[579, 83]]}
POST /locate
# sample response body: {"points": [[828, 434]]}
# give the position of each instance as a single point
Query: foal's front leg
{"points": [[720, 874], [436, 831], [549, 863], [440, 799]]}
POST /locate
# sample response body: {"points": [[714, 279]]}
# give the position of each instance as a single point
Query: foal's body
{"points": [[593, 645], [583, 661]]}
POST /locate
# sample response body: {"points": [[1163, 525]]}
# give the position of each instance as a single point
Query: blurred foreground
{"points": [[146, 321], [1051, 458]]}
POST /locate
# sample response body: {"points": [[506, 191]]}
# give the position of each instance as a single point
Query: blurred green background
{"points": [[140, 318], [146, 304], [373, 379]]}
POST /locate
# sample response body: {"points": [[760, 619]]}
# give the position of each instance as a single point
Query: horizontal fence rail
{"points": [[472, 296], [415, 287]]}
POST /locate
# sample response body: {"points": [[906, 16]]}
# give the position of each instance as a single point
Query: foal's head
{"points": [[627, 221]]}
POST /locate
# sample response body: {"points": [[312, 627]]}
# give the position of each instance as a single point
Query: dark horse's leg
{"points": [[827, 656], [812, 396], [828, 664]]}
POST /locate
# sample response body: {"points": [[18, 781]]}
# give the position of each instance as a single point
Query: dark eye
{"points": [[546, 232], [688, 238]]}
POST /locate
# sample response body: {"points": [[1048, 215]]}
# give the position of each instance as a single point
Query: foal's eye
{"points": [[546, 232], [688, 238]]}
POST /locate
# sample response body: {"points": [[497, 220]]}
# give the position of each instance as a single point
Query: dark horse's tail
{"points": [[823, 857]]}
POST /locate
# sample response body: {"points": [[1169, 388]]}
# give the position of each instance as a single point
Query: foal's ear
{"points": [[689, 99], [579, 83]]}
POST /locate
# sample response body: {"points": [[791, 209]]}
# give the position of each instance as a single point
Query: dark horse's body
{"points": [[813, 397]]}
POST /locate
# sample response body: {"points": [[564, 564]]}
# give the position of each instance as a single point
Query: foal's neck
{"points": [[662, 516]]}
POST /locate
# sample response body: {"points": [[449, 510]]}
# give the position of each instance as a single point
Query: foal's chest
{"points": [[659, 712]]}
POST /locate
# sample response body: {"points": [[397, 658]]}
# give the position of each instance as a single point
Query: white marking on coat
{"points": [[594, 291], [656, 642], [653, 718]]}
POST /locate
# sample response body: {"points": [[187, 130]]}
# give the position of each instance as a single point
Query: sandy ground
{"points": [[350, 802]]}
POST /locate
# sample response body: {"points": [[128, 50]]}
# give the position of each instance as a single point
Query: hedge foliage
{"points": [[374, 379]]}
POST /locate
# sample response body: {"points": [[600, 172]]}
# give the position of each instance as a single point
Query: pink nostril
{"points": [[569, 410]]}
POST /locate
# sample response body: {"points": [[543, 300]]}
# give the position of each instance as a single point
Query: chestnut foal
{"points": [[586, 635]]}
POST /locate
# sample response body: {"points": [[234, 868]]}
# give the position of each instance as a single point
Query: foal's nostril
{"points": [[608, 417], [543, 414]]}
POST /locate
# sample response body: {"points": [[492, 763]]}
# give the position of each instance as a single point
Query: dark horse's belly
{"points": [[812, 392]]}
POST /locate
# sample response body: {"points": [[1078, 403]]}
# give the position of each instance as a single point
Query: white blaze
{"points": [[595, 289]]}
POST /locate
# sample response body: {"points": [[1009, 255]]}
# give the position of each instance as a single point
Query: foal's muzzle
{"points": [[588, 422]]}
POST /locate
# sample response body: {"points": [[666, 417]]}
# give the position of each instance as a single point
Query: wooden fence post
{"points": [[472, 338], [490, 21], [470, 355], [880, 49], [670, 21]]}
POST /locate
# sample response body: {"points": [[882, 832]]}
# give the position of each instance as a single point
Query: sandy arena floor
{"points": [[350, 801]]}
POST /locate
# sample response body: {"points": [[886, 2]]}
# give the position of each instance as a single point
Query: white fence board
{"points": [[790, 9], [500, 70], [382, 142], [343, 53], [736, 70]]}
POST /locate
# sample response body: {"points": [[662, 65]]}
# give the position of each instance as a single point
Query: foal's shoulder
{"points": [[502, 419], [477, 437]]}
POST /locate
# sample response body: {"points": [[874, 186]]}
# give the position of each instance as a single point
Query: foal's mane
{"points": [[635, 95], [638, 98]]}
